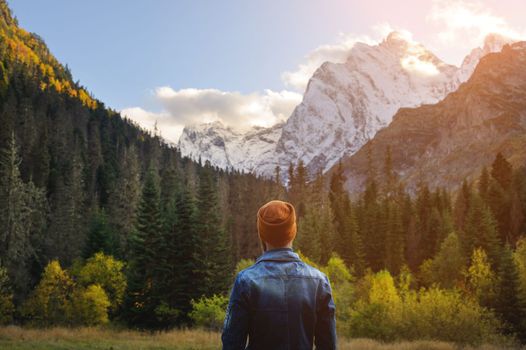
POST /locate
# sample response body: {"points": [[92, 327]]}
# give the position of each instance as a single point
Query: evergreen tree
{"points": [[214, 256], [184, 245], [101, 237], [509, 306], [447, 267], [22, 215], [481, 231], [147, 240], [395, 240], [124, 199], [67, 228], [347, 241], [502, 171], [484, 182]]}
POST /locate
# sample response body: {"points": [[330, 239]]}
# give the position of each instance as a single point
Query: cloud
{"points": [[468, 23], [195, 106], [166, 126], [336, 53]]}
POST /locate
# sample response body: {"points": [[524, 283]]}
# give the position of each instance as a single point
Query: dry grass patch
{"points": [[16, 338]]}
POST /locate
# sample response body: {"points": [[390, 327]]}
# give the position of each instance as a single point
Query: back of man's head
{"points": [[277, 223]]}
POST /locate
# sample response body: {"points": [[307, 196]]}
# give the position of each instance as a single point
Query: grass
{"points": [[16, 338]]}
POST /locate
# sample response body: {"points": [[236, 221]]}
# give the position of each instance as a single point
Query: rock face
{"points": [[344, 105], [446, 142]]}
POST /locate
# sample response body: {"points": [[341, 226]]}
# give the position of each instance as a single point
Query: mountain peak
{"points": [[495, 41], [396, 37]]}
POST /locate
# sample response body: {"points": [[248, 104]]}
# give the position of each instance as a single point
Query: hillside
{"points": [[443, 143], [72, 170]]}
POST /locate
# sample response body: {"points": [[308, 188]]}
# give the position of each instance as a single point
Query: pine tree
{"points": [[147, 240], [124, 199], [184, 245], [22, 218], [481, 231], [509, 306], [395, 240], [347, 242], [502, 171], [447, 267], [101, 237], [461, 206], [68, 219], [214, 254], [484, 182]]}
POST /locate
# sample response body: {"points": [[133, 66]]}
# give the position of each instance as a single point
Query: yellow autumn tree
{"points": [[48, 303], [107, 272], [89, 306]]}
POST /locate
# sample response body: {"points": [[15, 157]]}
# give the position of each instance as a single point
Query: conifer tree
{"points": [[395, 240], [347, 241], [502, 171], [22, 218], [148, 238], [481, 231], [184, 246], [461, 207], [508, 305], [215, 267], [124, 199], [68, 220], [101, 237], [484, 182]]}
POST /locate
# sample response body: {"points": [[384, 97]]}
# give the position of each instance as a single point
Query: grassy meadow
{"points": [[16, 338]]}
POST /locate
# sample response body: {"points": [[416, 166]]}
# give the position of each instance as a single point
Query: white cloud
{"points": [[195, 106], [167, 127], [468, 23]]}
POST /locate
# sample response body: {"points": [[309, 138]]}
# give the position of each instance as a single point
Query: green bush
{"points": [[209, 313]]}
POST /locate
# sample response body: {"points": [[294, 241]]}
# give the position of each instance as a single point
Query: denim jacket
{"points": [[280, 303]]}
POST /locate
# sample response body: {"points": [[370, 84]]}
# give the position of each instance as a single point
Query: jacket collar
{"points": [[279, 254]]}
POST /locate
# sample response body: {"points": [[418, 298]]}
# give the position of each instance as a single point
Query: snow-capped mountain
{"points": [[344, 105], [444, 143], [226, 147]]}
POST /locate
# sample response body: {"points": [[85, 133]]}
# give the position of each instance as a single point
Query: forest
{"points": [[103, 223]]}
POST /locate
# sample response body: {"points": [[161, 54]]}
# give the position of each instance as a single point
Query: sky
{"points": [[180, 62]]}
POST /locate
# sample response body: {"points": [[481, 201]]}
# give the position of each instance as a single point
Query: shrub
{"points": [[209, 313], [89, 306]]}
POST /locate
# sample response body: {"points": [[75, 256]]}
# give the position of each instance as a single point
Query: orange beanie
{"points": [[277, 223]]}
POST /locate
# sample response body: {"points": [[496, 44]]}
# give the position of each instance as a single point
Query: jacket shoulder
{"points": [[314, 272]]}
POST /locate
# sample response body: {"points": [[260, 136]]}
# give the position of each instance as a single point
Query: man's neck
{"points": [[267, 246]]}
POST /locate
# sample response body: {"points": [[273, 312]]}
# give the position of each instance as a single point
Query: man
{"points": [[280, 302]]}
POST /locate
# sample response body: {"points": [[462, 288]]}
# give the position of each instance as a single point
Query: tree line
{"points": [[469, 240]]}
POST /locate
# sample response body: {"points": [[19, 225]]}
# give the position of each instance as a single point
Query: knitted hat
{"points": [[277, 223]]}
